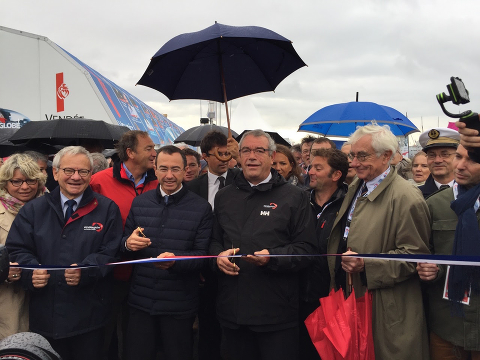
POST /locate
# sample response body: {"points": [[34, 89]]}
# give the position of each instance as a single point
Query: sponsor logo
{"points": [[94, 227], [265, 213], [272, 206], [62, 92]]}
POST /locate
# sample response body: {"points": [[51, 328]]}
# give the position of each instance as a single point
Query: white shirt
{"points": [[213, 184], [449, 184], [64, 199], [264, 181], [164, 193]]}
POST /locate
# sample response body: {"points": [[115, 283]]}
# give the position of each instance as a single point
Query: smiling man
{"points": [[439, 144], [71, 225], [383, 213], [258, 215], [163, 298]]}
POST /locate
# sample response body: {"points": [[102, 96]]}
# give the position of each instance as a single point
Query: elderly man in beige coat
{"points": [[383, 213]]}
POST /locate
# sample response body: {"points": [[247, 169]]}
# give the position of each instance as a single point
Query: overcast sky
{"points": [[395, 53]]}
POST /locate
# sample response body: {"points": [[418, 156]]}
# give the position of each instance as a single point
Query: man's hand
{"points": [[225, 264], [137, 241], [40, 278], [259, 260], [468, 137], [72, 276], [164, 265], [14, 274], [427, 271], [352, 265], [232, 147]]}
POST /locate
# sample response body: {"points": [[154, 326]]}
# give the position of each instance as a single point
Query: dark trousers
{"points": [[246, 344], [80, 347], [145, 331], [209, 330], [307, 349]]}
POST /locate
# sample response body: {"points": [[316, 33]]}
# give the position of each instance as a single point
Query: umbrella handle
{"points": [[222, 158], [350, 278]]}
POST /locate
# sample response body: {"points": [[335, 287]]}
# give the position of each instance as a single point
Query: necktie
{"points": [[165, 198], [69, 211], [444, 187], [221, 179], [364, 190]]}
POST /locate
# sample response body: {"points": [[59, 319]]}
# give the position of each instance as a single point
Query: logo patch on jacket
{"points": [[94, 227], [272, 206]]}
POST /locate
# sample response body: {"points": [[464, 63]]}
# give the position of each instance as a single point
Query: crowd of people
{"points": [[264, 214]]}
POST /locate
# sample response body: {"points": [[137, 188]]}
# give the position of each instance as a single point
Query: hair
{"points": [[190, 152], [71, 150], [418, 154], [99, 162], [181, 145], [129, 140], [322, 140], [293, 163], [212, 139], [296, 148], [307, 139], [35, 155], [170, 150], [336, 159], [382, 138], [259, 133], [346, 143], [27, 166]]}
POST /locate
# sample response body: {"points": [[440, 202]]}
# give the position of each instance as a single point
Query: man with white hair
{"points": [[383, 213], [70, 226]]}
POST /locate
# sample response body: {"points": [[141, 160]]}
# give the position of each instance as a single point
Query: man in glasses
{"points": [[439, 144], [258, 215], [69, 226], [382, 213]]}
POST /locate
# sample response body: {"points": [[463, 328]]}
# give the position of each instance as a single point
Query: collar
{"points": [[164, 193], [372, 184], [455, 196], [132, 178], [438, 184], [212, 178], [63, 199], [262, 182]]}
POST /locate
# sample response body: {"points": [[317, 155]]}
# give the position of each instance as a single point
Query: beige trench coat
{"points": [[393, 219], [13, 303]]}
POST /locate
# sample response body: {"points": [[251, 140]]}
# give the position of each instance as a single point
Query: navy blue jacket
{"points": [[429, 187], [92, 236], [182, 227]]}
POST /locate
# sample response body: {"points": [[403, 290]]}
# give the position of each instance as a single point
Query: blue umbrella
{"points": [[342, 119]]}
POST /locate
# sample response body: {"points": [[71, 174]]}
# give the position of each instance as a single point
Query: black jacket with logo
{"points": [[275, 216], [92, 236]]}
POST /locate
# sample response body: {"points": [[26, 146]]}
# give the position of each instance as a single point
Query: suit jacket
{"points": [[200, 185]]}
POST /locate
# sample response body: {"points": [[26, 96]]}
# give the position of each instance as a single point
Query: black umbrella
{"points": [[69, 132], [274, 135], [221, 63], [8, 148], [195, 135]]}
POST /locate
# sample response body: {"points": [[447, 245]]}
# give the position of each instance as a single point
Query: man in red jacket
{"points": [[133, 175]]}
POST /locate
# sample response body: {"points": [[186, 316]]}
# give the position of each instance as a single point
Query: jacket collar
{"points": [[242, 183], [117, 174], [172, 199]]}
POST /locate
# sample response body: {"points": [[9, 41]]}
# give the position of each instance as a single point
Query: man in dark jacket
{"points": [[328, 170], [163, 298], [69, 226], [259, 215]]}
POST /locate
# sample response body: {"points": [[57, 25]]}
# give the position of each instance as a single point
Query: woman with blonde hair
{"points": [[20, 181]]}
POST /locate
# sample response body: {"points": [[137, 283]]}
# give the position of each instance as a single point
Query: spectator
{"points": [[41, 160], [69, 226], [420, 168], [318, 143], [285, 164], [193, 164], [382, 213], [351, 171], [306, 145], [163, 297], [297, 153], [259, 215], [20, 181]]}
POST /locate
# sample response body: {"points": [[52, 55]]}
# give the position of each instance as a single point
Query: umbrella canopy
{"points": [[342, 119], [195, 135], [274, 135], [247, 59], [8, 148], [69, 132]]}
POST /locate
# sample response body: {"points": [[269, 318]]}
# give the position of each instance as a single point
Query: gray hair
{"points": [[35, 155], [382, 138], [71, 150], [99, 162], [27, 166], [259, 133]]}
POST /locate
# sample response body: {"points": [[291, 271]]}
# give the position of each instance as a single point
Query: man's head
{"points": [[297, 153], [440, 144], [306, 145], [257, 150], [322, 143], [136, 149], [214, 139], [40, 159], [346, 147], [170, 164], [467, 171], [329, 167], [72, 168], [372, 150], [193, 164]]}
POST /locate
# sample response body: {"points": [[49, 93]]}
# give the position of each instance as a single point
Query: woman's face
{"points": [[420, 169], [23, 192], [281, 164]]}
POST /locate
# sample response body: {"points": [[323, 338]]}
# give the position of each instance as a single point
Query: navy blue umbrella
{"points": [[342, 119]]}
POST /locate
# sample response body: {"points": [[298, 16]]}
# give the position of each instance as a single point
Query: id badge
{"points": [[466, 298]]}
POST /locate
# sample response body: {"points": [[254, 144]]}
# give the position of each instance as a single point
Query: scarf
{"points": [[467, 242], [12, 204]]}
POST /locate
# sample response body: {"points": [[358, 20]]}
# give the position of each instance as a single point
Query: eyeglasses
{"points": [[443, 155], [82, 172], [18, 183], [257, 151], [361, 156], [174, 170], [221, 154], [191, 166]]}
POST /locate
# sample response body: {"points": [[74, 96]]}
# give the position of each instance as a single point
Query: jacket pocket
{"points": [[391, 312], [444, 225]]}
